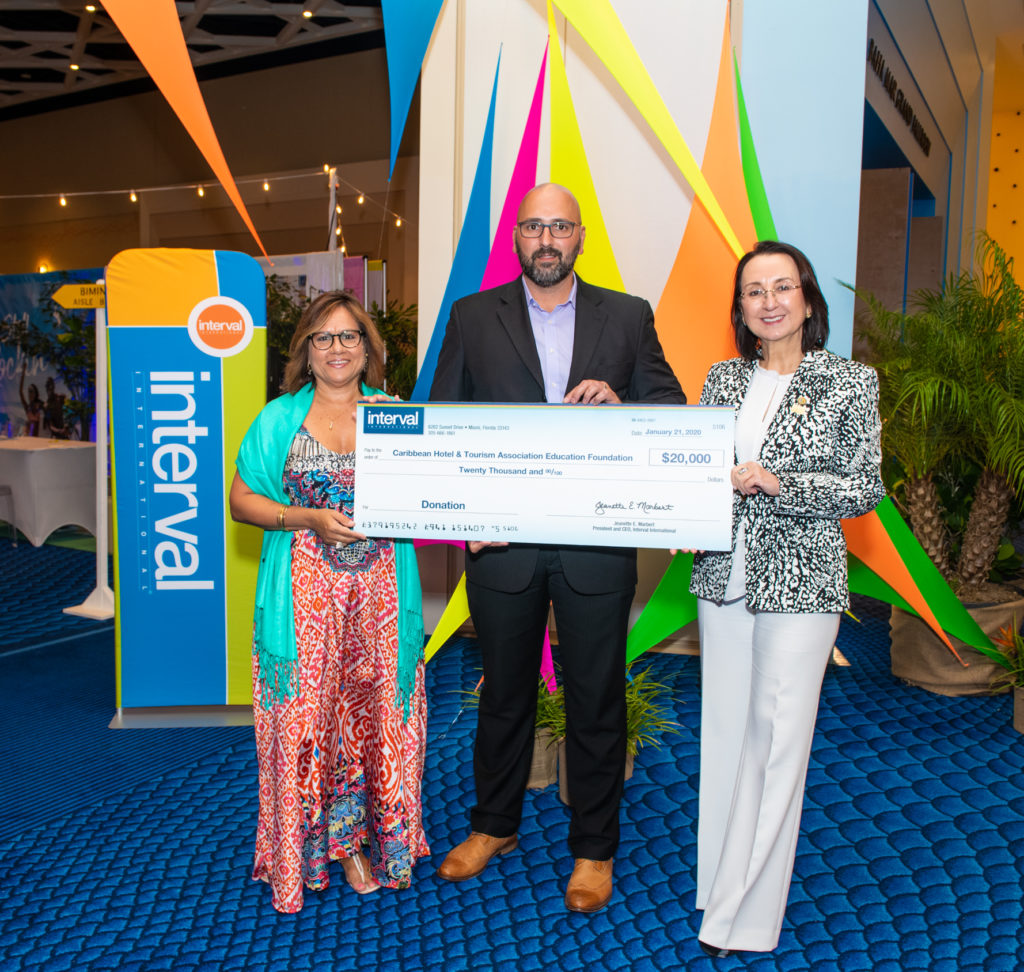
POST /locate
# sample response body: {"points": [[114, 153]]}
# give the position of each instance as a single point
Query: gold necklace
{"points": [[330, 421]]}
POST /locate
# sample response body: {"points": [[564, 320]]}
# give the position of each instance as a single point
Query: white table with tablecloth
{"points": [[52, 482]]}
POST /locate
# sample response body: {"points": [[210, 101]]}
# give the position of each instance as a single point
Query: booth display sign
{"points": [[75, 296], [187, 338], [32, 352]]}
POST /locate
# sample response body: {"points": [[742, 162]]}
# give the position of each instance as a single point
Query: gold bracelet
{"points": [[280, 518]]}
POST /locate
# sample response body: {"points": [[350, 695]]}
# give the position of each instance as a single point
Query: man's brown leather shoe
{"points": [[590, 886], [469, 858]]}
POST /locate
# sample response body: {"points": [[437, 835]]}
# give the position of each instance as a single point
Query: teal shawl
{"points": [[260, 462]]}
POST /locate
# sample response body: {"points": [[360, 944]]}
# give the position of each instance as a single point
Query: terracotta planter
{"points": [[543, 768], [1018, 709], [919, 658], [563, 773]]}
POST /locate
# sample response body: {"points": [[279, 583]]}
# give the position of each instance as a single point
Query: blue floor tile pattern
{"points": [[131, 849]]}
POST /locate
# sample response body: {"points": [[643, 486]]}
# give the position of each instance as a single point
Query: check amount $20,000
{"points": [[608, 475]]}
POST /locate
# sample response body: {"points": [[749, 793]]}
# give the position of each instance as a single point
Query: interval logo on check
{"points": [[393, 419]]}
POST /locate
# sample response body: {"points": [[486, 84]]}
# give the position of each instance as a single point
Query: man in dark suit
{"points": [[550, 337]]}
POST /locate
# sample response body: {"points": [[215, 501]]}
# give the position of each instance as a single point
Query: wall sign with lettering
{"points": [[899, 100]]}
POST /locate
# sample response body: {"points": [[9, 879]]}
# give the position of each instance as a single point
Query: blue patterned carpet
{"points": [[131, 849], [37, 584]]}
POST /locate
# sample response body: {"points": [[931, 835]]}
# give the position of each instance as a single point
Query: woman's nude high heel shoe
{"points": [[357, 873]]}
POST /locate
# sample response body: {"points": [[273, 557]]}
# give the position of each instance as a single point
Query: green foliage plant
{"points": [[951, 378], [1009, 653], [646, 711], [285, 304], [551, 710], [920, 425], [647, 715], [397, 324]]}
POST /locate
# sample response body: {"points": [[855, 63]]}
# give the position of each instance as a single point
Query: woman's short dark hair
{"points": [[296, 372], [815, 332]]}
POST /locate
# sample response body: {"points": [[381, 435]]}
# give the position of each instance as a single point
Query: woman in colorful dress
{"points": [[807, 455], [338, 690]]}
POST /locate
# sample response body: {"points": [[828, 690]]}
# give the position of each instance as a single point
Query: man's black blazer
{"points": [[489, 355]]}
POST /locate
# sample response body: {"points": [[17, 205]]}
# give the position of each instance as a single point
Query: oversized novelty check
{"points": [[612, 475]]}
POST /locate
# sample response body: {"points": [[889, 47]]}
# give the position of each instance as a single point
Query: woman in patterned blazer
{"points": [[807, 455]]}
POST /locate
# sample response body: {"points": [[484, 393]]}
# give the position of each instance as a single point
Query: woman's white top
{"points": [[762, 401]]}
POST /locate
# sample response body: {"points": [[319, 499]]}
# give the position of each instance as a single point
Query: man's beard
{"points": [[550, 275]]}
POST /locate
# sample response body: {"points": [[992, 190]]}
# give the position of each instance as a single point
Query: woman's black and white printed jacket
{"points": [[824, 447]]}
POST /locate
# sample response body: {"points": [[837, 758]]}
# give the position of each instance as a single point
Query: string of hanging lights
{"points": [[336, 229], [64, 199]]}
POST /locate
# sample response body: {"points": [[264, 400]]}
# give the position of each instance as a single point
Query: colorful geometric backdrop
{"points": [[731, 211]]}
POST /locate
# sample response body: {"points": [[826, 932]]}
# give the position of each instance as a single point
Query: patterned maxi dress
{"points": [[338, 766]]}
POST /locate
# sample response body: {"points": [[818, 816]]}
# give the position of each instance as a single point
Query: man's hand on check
{"points": [[475, 546], [590, 391]]}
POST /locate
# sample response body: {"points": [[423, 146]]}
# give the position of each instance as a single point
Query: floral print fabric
{"points": [[339, 769]]}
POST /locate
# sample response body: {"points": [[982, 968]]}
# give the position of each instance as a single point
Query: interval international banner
{"points": [[187, 340]]}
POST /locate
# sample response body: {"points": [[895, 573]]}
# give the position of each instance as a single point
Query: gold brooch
{"points": [[800, 406]]}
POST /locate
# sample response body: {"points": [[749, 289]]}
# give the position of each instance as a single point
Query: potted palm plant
{"points": [[1009, 643], [646, 718], [951, 376], [548, 737], [549, 732]]}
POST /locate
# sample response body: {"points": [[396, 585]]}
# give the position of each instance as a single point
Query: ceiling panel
{"points": [[59, 52]]}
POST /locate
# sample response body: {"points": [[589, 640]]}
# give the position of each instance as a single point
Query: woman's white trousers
{"points": [[761, 677]]}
